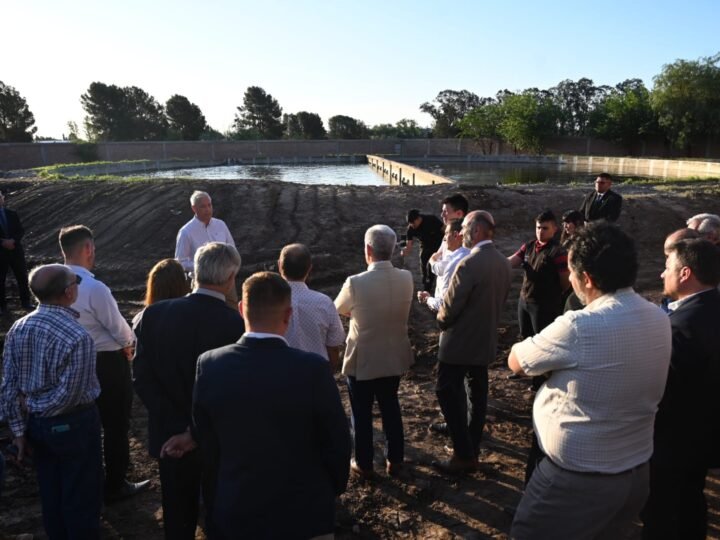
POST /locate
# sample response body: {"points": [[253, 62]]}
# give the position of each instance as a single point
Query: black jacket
{"points": [[270, 422], [609, 208]]}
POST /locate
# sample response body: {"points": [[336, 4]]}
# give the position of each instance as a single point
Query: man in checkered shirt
{"points": [[594, 416], [48, 396]]}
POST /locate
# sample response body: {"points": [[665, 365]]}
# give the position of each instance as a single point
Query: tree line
{"points": [[682, 107]]}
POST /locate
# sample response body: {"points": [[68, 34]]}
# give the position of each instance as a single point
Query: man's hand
{"points": [[8, 243], [435, 257], [129, 351], [178, 445], [21, 444], [422, 296]]}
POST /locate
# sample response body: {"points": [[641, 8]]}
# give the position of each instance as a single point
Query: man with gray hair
{"points": [[171, 336], [48, 396], [468, 318], [378, 349], [708, 225], [200, 230]]}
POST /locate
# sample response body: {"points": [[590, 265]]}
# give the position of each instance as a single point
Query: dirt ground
{"points": [[135, 224]]}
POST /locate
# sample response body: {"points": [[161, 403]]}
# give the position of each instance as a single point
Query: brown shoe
{"points": [[365, 474], [394, 469], [456, 465]]}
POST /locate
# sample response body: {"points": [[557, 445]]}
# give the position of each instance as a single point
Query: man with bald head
{"points": [[48, 396], [314, 325], [707, 225], [468, 318]]}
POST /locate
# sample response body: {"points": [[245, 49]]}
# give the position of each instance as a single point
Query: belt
{"points": [[594, 473], [70, 410]]}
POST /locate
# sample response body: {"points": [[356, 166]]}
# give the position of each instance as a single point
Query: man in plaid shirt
{"points": [[48, 396]]}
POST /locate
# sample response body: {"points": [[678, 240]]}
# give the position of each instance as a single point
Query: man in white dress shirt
{"points": [[594, 416], [455, 253], [114, 340], [315, 324], [202, 229]]}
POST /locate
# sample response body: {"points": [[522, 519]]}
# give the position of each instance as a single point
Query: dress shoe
{"points": [[455, 465], [394, 469], [365, 474], [126, 489], [440, 428]]}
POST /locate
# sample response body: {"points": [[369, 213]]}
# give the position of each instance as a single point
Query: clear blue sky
{"points": [[376, 61]]}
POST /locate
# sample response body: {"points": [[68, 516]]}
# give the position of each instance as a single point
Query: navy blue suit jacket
{"points": [[171, 335], [270, 422], [687, 424]]}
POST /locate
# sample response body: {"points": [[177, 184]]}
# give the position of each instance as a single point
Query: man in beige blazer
{"points": [[468, 319], [378, 349]]}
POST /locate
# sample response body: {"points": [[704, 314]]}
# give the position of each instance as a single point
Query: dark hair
{"points": [[573, 216], [412, 215], [701, 256], [166, 280], [546, 215], [73, 237], [605, 176], [455, 224], [458, 202], [295, 261], [606, 253], [264, 295]]}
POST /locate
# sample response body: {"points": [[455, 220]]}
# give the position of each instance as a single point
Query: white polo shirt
{"points": [[195, 234]]}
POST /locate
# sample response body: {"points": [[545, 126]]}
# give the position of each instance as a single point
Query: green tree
{"points": [[526, 121], [575, 102], [686, 99], [407, 128], [482, 124], [625, 116], [185, 118], [304, 125], [346, 127], [16, 120], [448, 108], [128, 113], [259, 115]]}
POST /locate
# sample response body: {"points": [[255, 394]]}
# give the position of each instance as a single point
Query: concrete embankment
{"points": [[402, 174]]}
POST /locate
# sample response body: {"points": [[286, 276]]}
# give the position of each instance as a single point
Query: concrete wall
{"points": [[402, 174], [663, 168], [27, 155]]}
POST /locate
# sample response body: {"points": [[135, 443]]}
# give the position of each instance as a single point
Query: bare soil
{"points": [[135, 223]]}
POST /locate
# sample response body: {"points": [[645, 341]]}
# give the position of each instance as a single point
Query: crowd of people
{"points": [[245, 418]]}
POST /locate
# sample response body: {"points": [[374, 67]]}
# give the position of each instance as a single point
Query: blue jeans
{"points": [[68, 459], [362, 396]]}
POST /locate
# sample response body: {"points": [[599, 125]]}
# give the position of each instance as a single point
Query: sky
{"points": [[377, 61]]}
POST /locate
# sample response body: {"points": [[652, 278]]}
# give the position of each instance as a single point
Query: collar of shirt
{"points": [[540, 245], [200, 223], [264, 335], [208, 292], [61, 309], [481, 243], [298, 285], [607, 296], [379, 264], [672, 306], [80, 270]]}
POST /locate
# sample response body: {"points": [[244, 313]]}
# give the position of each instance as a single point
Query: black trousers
{"points": [[532, 318], [462, 392], [180, 480], [15, 260], [114, 404], [676, 508], [428, 277]]}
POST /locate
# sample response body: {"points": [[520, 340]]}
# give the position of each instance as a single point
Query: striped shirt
{"points": [[49, 366]]}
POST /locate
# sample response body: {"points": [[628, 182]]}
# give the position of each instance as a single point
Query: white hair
{"points": [[708, 225], [214, 262], [382, 240], [197, 195]]}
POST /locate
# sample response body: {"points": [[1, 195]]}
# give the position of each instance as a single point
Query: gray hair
{"points": [[215, 262], [49, 281], [708, 225], [382, 240], [197, 195]]}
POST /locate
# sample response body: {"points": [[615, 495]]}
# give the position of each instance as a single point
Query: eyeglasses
{"points": [[76, 281]]}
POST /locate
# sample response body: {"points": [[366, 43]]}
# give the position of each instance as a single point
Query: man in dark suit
{"points": [[12, 256], [171, 336], [269, 418], [603, 203], [468, 319], [687, 433]]}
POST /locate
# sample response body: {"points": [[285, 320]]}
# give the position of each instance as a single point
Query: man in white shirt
{"points": [[202, 229], [453, 207], [455, 253], [594, 416], [315, 324], [100, 316]]}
